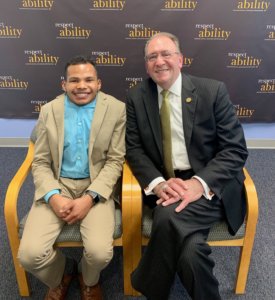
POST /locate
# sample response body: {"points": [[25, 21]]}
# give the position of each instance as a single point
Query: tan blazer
{"points": [[106, 146]]}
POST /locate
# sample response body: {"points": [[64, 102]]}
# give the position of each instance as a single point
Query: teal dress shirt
{"points": [[77, 127]]}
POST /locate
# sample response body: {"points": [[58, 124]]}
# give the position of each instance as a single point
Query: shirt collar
{"points": [[69, 103], [175, 87]]}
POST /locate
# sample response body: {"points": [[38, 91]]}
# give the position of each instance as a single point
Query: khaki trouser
{"points": [[36, 252]]}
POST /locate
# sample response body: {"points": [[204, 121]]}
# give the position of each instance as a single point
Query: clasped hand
{"points": [[178, 190], [70, 210]]}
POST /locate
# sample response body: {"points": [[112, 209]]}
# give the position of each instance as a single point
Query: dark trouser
{"points": [[178, 245]]}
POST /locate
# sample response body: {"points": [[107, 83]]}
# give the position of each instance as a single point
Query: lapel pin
{"points": [[188, 100]]}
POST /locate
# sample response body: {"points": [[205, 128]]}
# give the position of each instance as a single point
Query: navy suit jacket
{"points": [[213, 135]]}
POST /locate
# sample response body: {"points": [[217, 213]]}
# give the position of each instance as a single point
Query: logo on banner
{"points": [[38, 57], [243, 112], [9, 32], [37, 104], [37, 4], [133, 81], [139, 31], [243, 61], [183, 5], [70, 31], [210, 32], [10, 83], [187, 61], [252, 6], [270, 36], [108, 5], [266, 86], [105, 58]]}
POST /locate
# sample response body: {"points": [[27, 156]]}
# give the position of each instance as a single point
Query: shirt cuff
{"points": [[149, 189], [208, 194], [49, 194]]}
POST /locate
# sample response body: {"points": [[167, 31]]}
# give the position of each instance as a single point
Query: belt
{"points": [[184, 174], [76, 178]]}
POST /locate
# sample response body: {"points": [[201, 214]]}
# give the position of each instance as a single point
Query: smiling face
{"points": [[163, 61], [81, 84]]}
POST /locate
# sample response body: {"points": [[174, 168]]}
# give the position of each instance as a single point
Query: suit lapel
{"points": [[100, 111], [150, 100], [189, 103], [59, 112]]}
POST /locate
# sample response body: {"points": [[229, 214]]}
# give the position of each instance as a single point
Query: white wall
{"points": [[15, 132]]}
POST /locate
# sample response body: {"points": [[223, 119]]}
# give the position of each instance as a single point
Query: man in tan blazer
{"points": [[78, 160]]}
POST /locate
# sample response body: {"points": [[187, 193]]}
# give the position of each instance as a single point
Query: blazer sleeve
{"points": [[44, 177], [142, 152], [111, 154], [225, 153]]}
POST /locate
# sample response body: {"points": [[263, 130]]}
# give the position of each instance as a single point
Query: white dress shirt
{"points": [[180, 158]]}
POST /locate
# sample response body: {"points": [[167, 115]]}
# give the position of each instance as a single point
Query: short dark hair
{"points": [[80, 60]]}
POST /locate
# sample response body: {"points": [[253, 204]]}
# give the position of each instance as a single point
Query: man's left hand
{"points": [[78, 208], [182, 191]]}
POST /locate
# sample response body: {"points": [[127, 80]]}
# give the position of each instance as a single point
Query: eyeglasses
{"points": [[163, 54]]}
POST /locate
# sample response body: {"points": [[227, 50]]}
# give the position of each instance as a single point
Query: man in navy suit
{"points": [[205, 185]]}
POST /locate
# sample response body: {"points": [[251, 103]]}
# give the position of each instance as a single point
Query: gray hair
{"points": [[171, 36]]}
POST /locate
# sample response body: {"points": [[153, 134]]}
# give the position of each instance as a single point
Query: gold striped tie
{"points": [[166, 134]]}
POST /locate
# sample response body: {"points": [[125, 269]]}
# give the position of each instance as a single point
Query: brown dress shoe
{"points": [[60, 292], [89, 292]]}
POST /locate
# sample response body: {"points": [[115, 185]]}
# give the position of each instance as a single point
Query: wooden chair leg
{"points": [[243, 267], [251, 223], [127, 269], [22, 279], [136, 252], [21, 276]]}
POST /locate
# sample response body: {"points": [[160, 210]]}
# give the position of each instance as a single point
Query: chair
{"points": [[70, 235], [218, 236]]}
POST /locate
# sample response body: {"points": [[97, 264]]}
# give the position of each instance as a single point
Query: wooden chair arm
{"points": [[131, 231], [126, 198], [136, 203], [137, 207], [11, 199], [252, 206], [15, 186], [131, 220], [131, 206]]}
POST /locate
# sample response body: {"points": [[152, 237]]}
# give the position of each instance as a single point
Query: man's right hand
{"points": [[57, 202]]}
